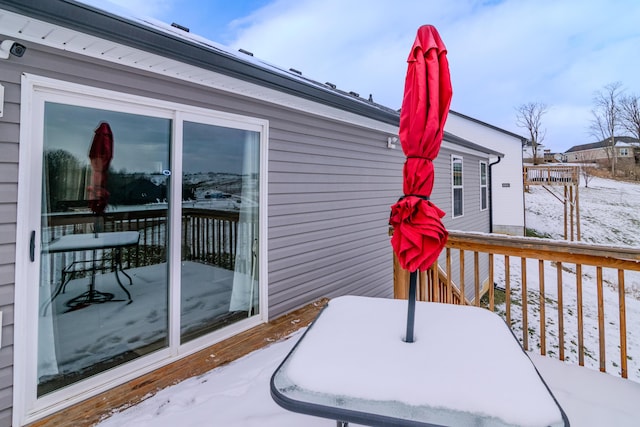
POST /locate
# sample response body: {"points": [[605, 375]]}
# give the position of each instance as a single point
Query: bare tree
{"points": [[630, 114], [588, 166], [606, 119], [529, 117]]}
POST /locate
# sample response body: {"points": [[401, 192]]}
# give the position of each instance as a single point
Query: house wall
{"points": [[330, 188], [507, 189], [9, 149], [473, 219]]}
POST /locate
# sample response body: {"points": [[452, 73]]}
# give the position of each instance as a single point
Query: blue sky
{"points": [[501, 53]]}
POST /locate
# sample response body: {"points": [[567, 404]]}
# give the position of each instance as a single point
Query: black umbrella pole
{"points": [[411, 313]]}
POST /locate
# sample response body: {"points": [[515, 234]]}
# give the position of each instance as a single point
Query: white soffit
{"points": [[35, 31]]}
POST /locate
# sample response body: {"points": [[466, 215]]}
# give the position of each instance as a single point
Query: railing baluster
{"points": [[476, 277], [603, 366], [449, 290], [463, 296], [560, 312], [525, 324], [580, 314], [435, 283], [507, 287], [623, 324], [543, 318], [491, 286]]}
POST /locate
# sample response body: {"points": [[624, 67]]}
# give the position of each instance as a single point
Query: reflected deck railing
{"points": [[208, 236], [568, 299]]}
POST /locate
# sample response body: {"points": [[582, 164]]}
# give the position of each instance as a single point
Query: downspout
{"points": [[490, 179]]}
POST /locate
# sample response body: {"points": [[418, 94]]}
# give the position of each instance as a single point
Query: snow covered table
{"points": [[464, 368]]}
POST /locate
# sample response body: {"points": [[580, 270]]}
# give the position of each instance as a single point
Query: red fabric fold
{"points": [[100, 155], [419, 235]]}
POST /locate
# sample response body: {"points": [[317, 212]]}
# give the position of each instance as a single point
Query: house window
{"points": [[624, 152], [484, 191], [457, 187]]}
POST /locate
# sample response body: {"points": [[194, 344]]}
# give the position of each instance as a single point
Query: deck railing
{"points": [[208, 236], [567, 299], [551, 175]]}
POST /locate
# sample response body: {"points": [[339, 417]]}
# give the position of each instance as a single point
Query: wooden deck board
{"points": [[91, 411]]}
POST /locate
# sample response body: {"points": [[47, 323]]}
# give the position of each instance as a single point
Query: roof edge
{"points": [[87, 19]]}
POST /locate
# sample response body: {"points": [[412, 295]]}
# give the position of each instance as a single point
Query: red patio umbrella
{"points": [[100, 155], [418, 232]]}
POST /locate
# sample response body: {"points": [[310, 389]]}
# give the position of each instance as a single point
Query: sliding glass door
{"points": [[144, 222], [103, 293], [220, 199]]}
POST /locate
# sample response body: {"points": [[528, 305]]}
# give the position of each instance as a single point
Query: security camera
{"points": [[11, 47]]}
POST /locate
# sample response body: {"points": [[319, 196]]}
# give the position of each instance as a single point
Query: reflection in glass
{"points": [[103, 279], [220, 187]]}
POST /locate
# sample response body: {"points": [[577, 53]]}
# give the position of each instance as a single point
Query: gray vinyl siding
{"points": [[330, 187], [473, 219], [9, 135]]}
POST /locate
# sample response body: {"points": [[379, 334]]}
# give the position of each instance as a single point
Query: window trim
{"points": [[457, 159], [484, 200]]}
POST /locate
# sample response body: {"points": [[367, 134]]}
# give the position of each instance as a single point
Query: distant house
{"points": [[627, 152], [311, 172]]}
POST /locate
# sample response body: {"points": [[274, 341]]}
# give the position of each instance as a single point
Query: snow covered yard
{"points": [[610, 215]]}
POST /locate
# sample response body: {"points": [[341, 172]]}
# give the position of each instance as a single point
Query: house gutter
{"points": [[490, 194]]}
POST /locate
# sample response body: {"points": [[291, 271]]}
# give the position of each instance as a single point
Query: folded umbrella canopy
{"points": [[418, 232], [100, 155]]}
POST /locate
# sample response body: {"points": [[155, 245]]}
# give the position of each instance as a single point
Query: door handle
{"points": [[32, 246]]}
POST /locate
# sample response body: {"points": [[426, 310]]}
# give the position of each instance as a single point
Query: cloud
{"points": [[501, 53]]}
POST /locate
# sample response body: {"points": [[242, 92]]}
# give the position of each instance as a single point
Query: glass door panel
{"points": [[103, 294], [219, 263]]}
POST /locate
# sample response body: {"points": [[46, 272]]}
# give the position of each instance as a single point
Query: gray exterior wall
{"points": [[473, 219], [9, 134], [330, 188]]}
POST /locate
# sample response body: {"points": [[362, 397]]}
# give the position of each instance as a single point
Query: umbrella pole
{"points": [[411, 313]]}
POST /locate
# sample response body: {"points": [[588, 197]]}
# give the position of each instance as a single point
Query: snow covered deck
{"points": [[587, 396]]}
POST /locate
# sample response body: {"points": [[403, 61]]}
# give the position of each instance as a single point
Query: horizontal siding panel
{"points": [[8, 172], [296, 236], [330, 279], [7, 234], [9, 151], [324, 251], [7, 254], [372, 279], [327, 178], [282, 236], [286, 188], [363, 196], [322, 155], [8, 213], [7, 276], [8, 192], [299, 214], [338, 166]]}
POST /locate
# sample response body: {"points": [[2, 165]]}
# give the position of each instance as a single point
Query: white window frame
{"points": [[457, 159], [484, 199], [35, 91]]}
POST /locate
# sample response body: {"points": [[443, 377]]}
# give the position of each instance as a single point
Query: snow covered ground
{"points": [[237, 395], [610, 215]]}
